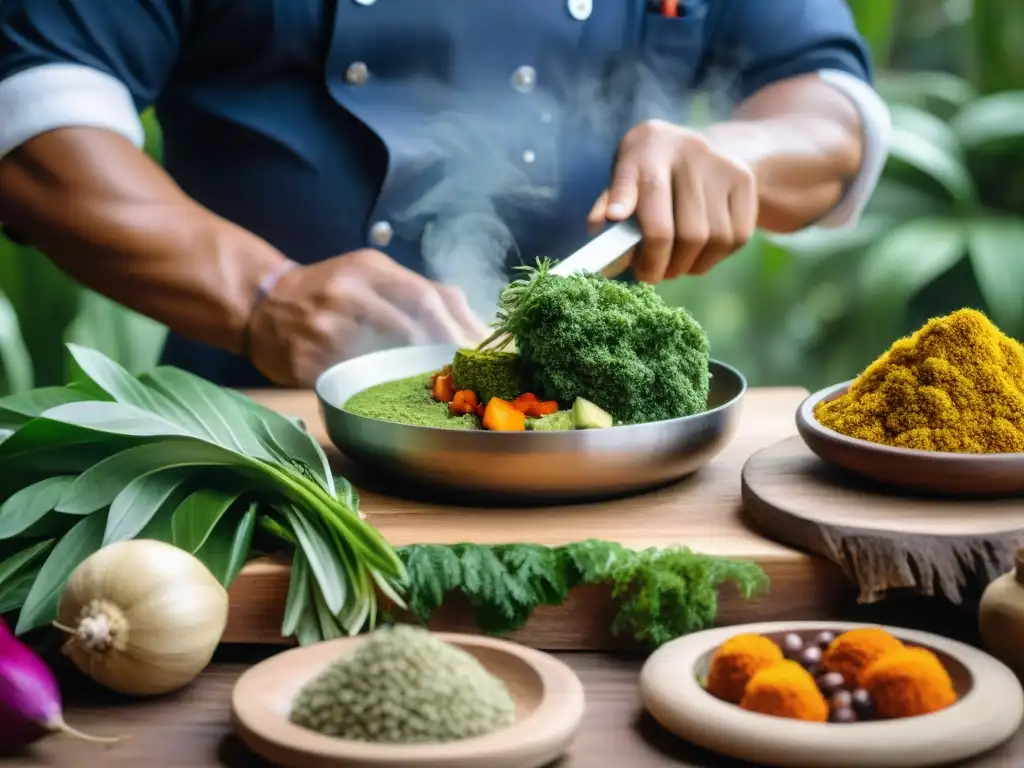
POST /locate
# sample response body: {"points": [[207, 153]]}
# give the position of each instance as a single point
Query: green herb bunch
{"points": [[660, 593], [615, 344], [170, 456]]}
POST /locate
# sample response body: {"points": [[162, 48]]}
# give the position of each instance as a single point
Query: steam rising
{"points": [[476, 141]]}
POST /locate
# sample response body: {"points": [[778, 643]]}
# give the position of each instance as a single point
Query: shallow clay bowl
{"points": [[932, 472], [989, 711], [527, 467], [548, 696]]}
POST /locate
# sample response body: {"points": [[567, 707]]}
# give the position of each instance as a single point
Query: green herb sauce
{"points": [[407, 401]]}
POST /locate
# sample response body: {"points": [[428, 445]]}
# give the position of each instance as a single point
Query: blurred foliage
{"points": [[41, 309], [944, 229]]}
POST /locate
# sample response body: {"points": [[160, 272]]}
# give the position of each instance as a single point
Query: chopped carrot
{"points": [[443, 389], [543, 408], [524, 402], [465, 401], [528, 404], [501, 416], [446, 371]]}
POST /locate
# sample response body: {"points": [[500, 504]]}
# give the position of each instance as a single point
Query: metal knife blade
{"points": [[607, 254]]}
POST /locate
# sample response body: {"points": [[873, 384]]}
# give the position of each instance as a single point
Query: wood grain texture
{"points": [[192, 728], [703, 512], [881, 538]]}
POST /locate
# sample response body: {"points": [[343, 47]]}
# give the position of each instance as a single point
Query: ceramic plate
{"points": [[548, 696], [990, 709], [961, 474]]}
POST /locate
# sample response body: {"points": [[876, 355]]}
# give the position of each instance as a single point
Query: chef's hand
{"points": [[318, 315], [694, 205]]}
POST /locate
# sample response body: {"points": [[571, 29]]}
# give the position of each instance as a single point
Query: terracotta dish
{"points": [[989, 711], [960, 474], [548, 696]]}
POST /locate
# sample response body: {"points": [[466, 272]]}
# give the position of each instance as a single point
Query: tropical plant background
{"points": [[944, 230]]}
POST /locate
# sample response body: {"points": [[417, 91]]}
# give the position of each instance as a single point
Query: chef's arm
{"points": [[812, 144], [807, 118], [108, 215]]}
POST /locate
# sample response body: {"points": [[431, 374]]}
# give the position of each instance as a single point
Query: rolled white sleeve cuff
{"points": [[51, 96], [876, 127]]}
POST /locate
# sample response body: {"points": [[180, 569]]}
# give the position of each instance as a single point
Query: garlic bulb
{"points": [[143, 617]]}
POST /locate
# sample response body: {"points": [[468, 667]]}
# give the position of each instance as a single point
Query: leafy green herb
{"points": [[661, 593], [170, 456]]}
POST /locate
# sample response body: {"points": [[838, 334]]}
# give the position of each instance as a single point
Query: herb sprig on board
{"points": [[661, 593], [170, 456]]}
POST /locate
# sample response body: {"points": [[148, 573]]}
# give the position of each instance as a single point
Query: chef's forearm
{"points": [[110, 217], [802, 138]]}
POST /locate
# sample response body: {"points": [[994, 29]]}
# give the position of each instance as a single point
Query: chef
{"points": [[325, 161]]}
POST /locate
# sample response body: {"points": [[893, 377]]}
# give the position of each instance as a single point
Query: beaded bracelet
{"points": [[266, 285]]}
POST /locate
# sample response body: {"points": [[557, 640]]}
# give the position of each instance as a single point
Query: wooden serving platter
{"points": [[884, 539], [702, 512]]}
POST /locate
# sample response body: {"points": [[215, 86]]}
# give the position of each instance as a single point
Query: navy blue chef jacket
{"points": [[309, 121]]}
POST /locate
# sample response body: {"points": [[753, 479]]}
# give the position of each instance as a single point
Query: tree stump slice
{"points": [[882, 539]]}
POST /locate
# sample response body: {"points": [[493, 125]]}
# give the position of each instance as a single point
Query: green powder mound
{"points": [[407, 401], [488, 373], [403, 685], [553, 422]]}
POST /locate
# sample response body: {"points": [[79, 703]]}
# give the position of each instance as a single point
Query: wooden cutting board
{"points": [[883, 540], [703, 512]]}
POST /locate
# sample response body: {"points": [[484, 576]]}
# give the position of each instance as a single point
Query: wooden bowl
{"points": [[989, 712], [933, 472], [547, 693]]}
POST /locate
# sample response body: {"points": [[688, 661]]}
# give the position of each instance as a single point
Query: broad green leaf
{"points": [[996, 247], [16, 410], [12, 564], [308, 632], [993, 122], [14, 592], [939, 92], [113, 379], [288, 442], [329, 628], [18, 372], [934, 161], [298, 595], [76, 545], [210, 407], [927, 127], [896, 200], [911, 257], [105, 326], [346, 493], [29, 505], [323, 559], [44, 447], [99, 485], [196, 517], [227, 547], [139, 501], [115, 419]]}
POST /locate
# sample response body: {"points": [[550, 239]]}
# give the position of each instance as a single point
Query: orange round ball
{"points": [[851, 652], [908, 682], [736, 661], [786, 689]]}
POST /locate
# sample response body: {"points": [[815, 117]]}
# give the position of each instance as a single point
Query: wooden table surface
{"points": [[191, 729], [703, 512]]}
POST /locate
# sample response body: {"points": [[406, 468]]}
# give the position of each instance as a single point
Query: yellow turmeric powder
{"points": [[956, 385], [908, 682]]}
